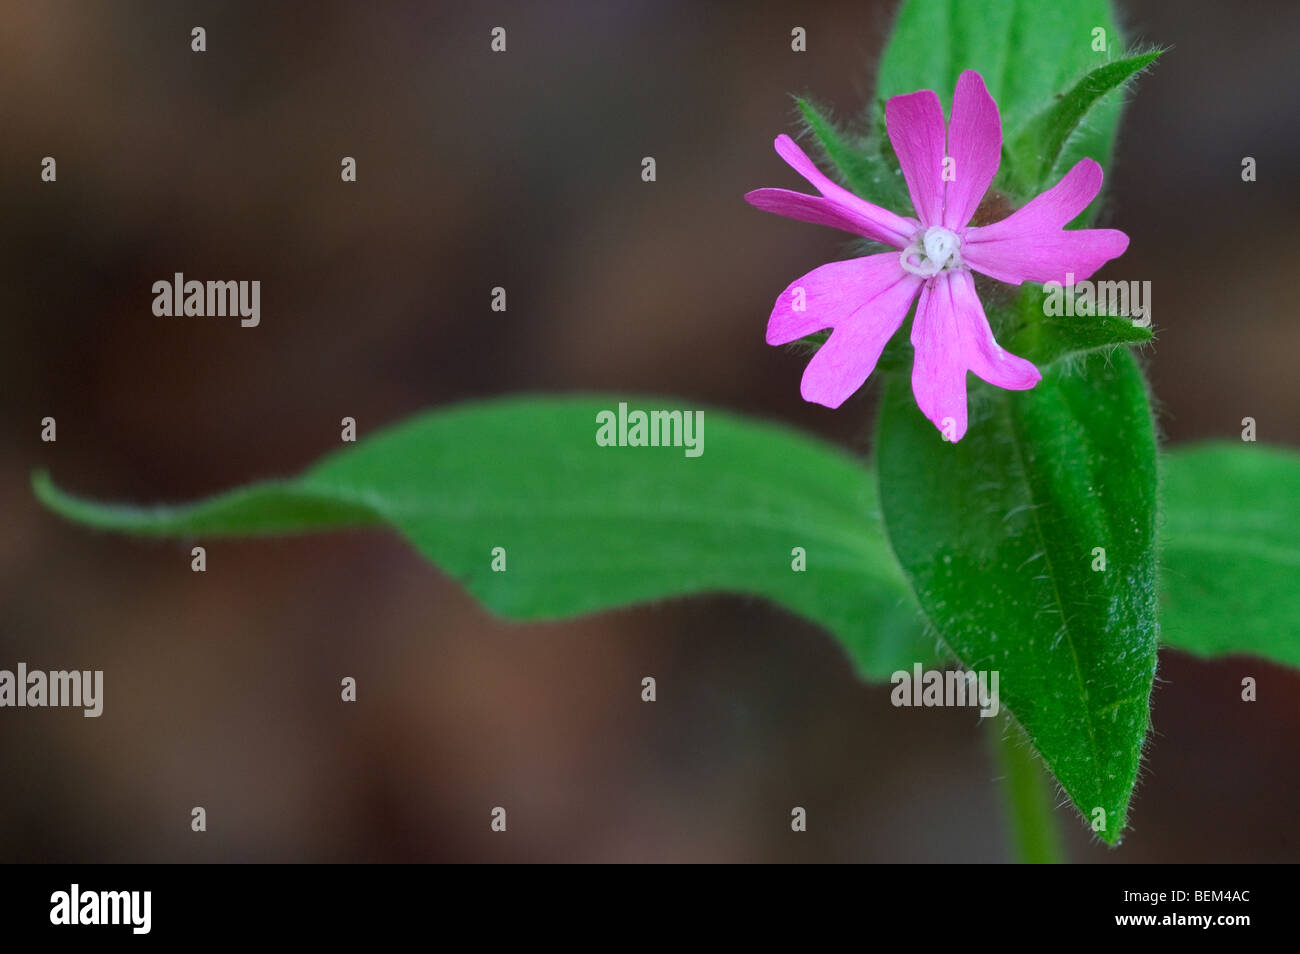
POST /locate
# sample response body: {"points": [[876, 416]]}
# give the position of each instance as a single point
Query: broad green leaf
{"points": [[588, 528], [1035, 151], [1028, 52], [1230, 551], [999, 534], [860, 166]]}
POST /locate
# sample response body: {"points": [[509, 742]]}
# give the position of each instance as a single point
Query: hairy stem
{"points": [[1027, 794]]}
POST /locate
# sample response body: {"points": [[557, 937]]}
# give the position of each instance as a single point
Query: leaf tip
{"points": [[43, 488]]}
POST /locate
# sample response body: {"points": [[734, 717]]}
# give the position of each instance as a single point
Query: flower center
{"points": [[932, 252]]}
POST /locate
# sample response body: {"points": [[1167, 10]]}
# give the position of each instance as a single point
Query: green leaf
{"points": [[861, 167], [262, 509], [1033, 334], [1230, 551], [997, 534], [1028, 330], [1036, 150], [589, 528], [1028, 52]]}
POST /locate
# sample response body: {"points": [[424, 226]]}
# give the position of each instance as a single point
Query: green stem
{"points": [[1028, 796]]}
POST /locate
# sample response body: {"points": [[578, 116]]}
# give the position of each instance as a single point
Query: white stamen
{"points": [[932, 253], [923, 268], [940, 244]]}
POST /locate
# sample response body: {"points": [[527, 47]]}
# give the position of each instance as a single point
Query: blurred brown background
{"points": [[522, 170]]}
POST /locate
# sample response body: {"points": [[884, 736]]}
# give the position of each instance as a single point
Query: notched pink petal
{"points": [[1049, 211], [1006, 370], [798, 160], [864, 300], [915, 126], [1031, 243], [832, 295], [1078, 253], [805, 208], [980, 352], [842, 365], [837, 206], [951, 336], [938, 375], [974, 147]]}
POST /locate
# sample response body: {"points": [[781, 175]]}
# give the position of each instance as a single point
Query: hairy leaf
{"points": [[585, 527], [1230, 551], [1002, 536], [1029, 53], [1037, 147]]}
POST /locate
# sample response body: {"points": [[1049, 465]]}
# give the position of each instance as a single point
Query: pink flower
{"points": [[865, 300]]}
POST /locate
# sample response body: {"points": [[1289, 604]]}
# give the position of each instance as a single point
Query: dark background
{"points": [[523, 170]]}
